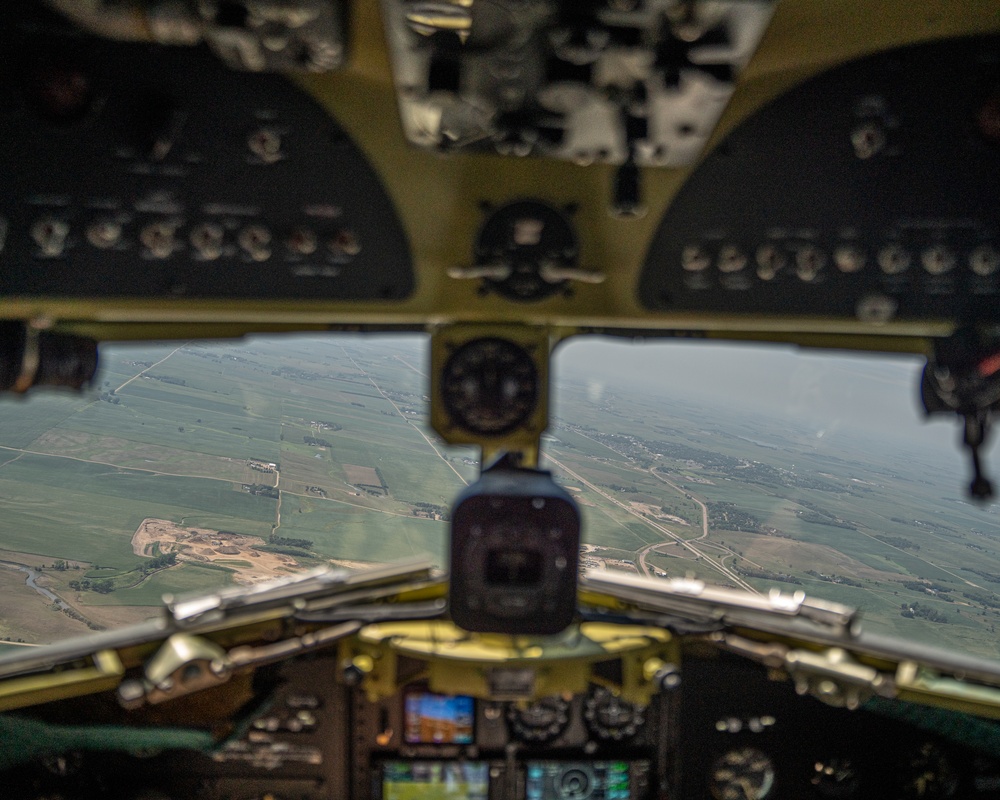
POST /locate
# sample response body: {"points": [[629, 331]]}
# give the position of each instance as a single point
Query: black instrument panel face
{"points": [[868, 192], [136, 170], [745, 735], [729, 731]]}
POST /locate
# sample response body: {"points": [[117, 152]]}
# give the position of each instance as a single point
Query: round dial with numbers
{"points": [[742, 774], [490, 386], [610, 718], [541, 721]]}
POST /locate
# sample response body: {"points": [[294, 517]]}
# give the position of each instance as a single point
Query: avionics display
{"points": [[585, 780], [435, 780], [437, 718]]}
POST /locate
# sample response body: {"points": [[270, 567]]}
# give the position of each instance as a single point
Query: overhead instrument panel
{"points": [[595, 81], [137, 170], [256, 35], [868, 193]]}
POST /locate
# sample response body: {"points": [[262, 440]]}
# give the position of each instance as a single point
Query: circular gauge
{"points": [[490, 386], [575, 783], [928, 773], [528, 244], [743, 774], [609, 717], [542, 721], [835, 778]]}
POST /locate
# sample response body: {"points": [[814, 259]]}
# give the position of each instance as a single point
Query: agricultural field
{"points": [[298, 451], [302, 444], [750, 500]]}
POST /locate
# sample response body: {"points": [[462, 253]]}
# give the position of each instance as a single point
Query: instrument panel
{"points": [[867, 193], [826, 190], [729, 731], [142, 171], [586, 745]]}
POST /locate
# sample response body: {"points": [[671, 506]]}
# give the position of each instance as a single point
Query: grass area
{"points": [[343, 531], [52, 475], [28, 616], [181, 579]]}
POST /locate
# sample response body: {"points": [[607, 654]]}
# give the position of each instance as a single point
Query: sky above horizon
{"points": [[866, 396]]}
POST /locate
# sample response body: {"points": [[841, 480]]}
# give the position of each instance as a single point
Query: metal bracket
{"points": [[832, 675], [835, 678]]}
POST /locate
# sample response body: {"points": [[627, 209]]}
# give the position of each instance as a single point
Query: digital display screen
{"points": [[435, 780], [437, 718], [577, 780]]}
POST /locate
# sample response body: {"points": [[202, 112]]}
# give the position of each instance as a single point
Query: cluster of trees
{"points": [[988, 600], [820, 518], [431, 509], [141, 570], [262, 490], [623, 489], [100, 585], [285, 541], [834, 578], [376, 489], [294, 373], [731, 517], [312, 441], [74, 614], [898, 541], [917, 611], [158, 562], [169, 379], [921, 586], [767, 575], [993, 577]]}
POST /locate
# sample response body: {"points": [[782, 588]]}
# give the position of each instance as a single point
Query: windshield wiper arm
{"points": [[701, 602], [310, 591]]}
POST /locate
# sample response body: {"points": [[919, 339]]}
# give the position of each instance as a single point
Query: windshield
{"points": [[198, 464]]}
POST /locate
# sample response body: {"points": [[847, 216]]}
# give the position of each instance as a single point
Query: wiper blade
{"points": [[325, 589], [311, 590], [819, 644], [700, 602]]}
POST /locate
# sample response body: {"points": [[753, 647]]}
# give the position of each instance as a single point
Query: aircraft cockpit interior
{"points": [[503, 178]]}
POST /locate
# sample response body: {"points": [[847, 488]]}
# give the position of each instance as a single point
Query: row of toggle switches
{"points": [[807, 260], [208, 240]]}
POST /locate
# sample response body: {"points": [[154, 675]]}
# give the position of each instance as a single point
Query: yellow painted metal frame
{"points": [[104, 673], [524, 439], [460, 662]]}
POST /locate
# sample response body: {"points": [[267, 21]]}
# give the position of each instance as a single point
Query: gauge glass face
{"points": [[929, 773], [542, 721], [490, 386], [609, 717], [835, 778], [743, 774]]}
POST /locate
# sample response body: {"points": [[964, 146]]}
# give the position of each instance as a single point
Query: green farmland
{"points": [[318, 450]]}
